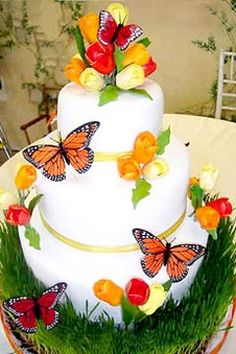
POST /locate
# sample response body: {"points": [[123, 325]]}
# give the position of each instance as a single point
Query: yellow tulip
{"points": [[119, 12], [137, 54], [91, 80], [74, 69], [88, 26], [155, 169], [208, 177], [130, 77], [156, 299], [25, 176], [7, 199]]}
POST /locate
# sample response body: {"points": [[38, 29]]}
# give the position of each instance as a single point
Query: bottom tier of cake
{"points": [[57, 262]]}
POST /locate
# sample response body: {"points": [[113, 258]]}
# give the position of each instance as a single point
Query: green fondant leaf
{"points": [[119, 58], [213, 233], [141, 92], [197, 195], [167, 285], [141, 190], [129, 311], [34, 202], [163, 140], [108, 94], [145, 41], [32, 235], [80, 44]]}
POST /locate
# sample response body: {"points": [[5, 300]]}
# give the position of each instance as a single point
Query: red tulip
{"points": [[137, 291], [149, 67], [17, 215], [223, 206], [100, 57]]}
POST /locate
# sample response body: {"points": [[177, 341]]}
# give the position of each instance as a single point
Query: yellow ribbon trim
{"points": [[107, 249], [109, 156]]}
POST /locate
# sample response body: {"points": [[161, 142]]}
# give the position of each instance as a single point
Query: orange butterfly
{"points": [[73, 150], [176, 258]]}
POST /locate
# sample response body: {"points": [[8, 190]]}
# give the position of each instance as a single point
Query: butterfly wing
{"points": [[126, 35], [182, 256], [107, 27], [23, 309], [46, 303], [49, 158], [75, 145], [153, 250]]}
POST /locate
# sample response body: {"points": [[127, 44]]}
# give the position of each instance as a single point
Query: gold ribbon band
{"points": [[109, 156], [107, 249]]}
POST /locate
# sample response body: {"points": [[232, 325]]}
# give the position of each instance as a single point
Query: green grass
{"points": [[171, 330]]}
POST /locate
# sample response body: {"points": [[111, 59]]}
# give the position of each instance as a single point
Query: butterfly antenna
{"points": [[173, 239], [54, 140]]}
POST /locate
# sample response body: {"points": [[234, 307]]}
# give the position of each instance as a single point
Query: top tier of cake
{"points": [[121, 121]]}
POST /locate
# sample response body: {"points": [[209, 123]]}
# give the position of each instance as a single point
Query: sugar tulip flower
{"points": [[137, 53], [101, 57], [155, 169], [17, 215], [130, 77], [108, 291], [91, 80], [192, 181], [208, 177], [149, 67], [88, 26], [145, 147], [6, 199], [74, 69], [222, 205], [119, 12], [129, 168], [25, 177], [208, 217], [137, 291], [156, 299]]}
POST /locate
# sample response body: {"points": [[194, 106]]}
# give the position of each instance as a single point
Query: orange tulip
{"points": [[25, 177], [108, 291], [208, 217], [129, 168], [136, 54], [74, 69], [145, 147], [88, 26]]}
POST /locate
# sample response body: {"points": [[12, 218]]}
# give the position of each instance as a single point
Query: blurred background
{"points": [[37, 41]]}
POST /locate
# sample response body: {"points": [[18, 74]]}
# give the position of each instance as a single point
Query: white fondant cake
{"points": [[95, 209]]}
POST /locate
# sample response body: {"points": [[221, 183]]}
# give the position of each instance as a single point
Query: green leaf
{"points": [[129, 311], [167, 285], [141, 190], [80, 44], [213, 233], [34, 202], [163, 140], [141, 92], [145, 41], [32, 235], [197, 195], [108, 94], [119, 58]]}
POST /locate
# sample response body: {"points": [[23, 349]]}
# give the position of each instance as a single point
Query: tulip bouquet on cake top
{"points": [[115, 60]]}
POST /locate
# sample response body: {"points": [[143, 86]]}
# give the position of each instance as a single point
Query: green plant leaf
{"points": [[32, 235], [108, 94], [141, 190], [145, 41], [213, 233], [80, 44], [34, 202], [119, 58], [163, 140], [197, 195], [129, 311], [167, 285], [141, 92]]}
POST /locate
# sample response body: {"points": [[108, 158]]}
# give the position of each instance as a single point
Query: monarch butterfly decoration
{"points": [[73, 150], [176, 258], [27, 311], [110, 32]]}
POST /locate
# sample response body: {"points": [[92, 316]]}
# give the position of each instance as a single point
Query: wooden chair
{"points": [[4, 144], [225, 80]]}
